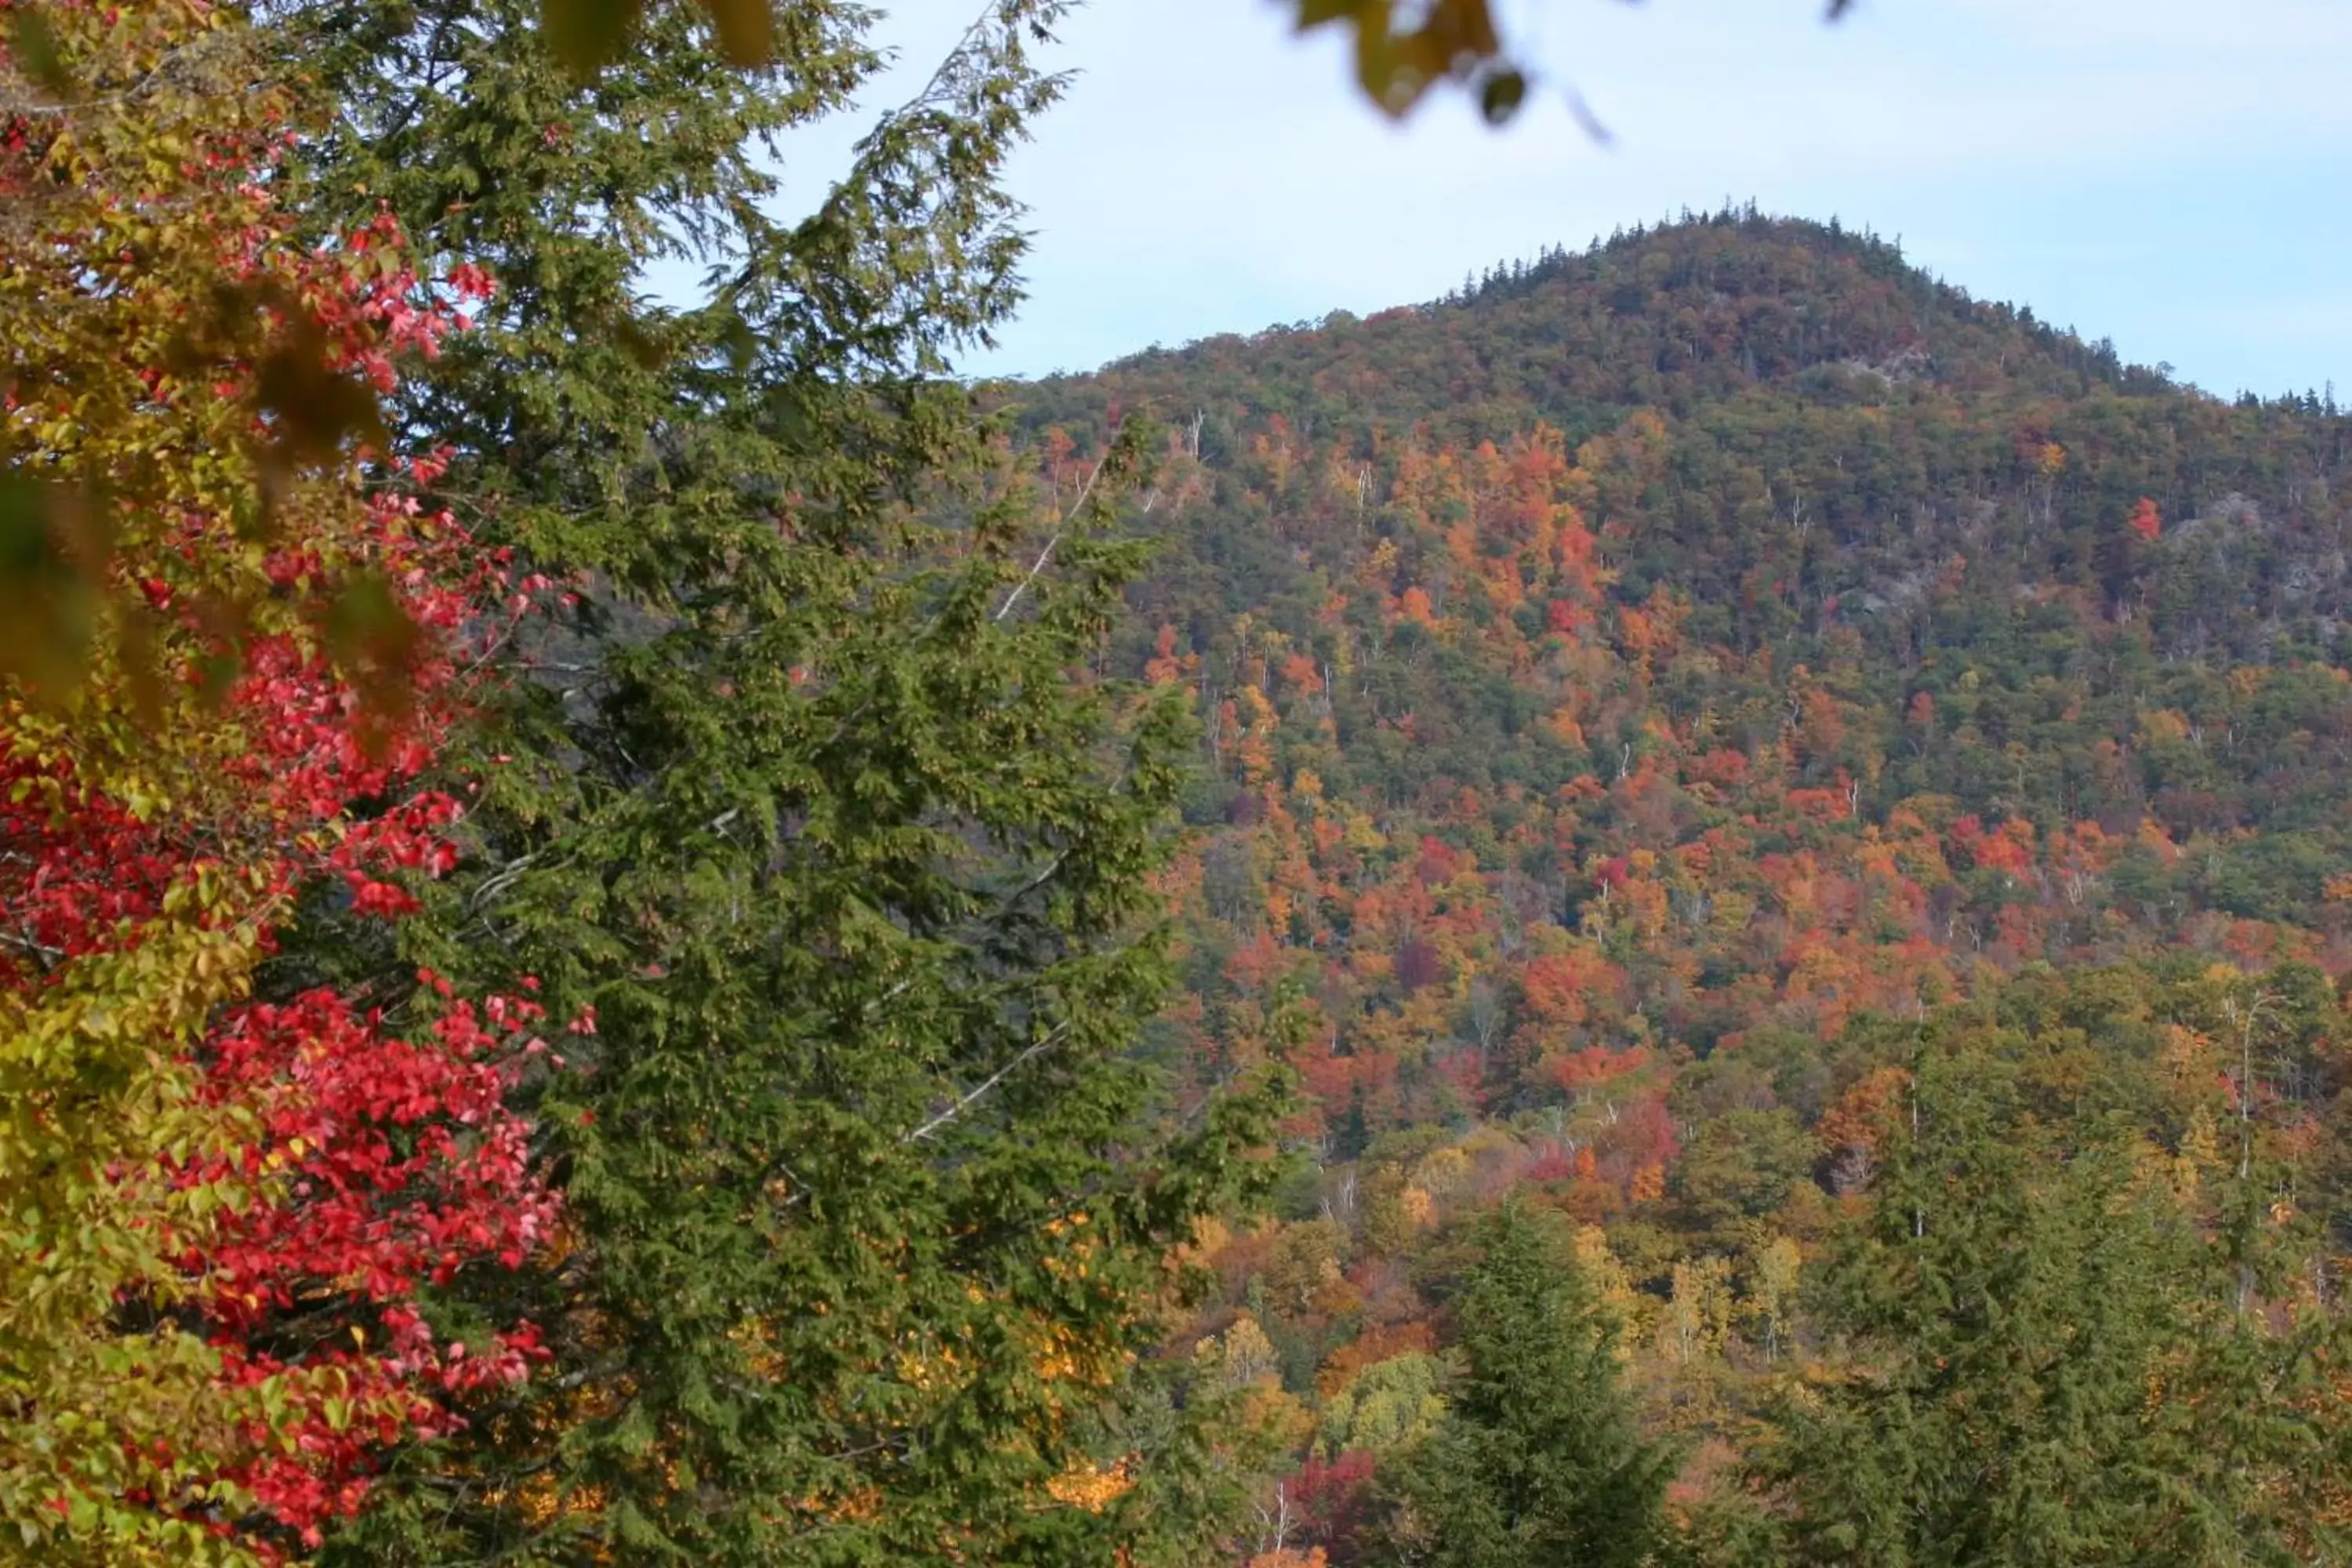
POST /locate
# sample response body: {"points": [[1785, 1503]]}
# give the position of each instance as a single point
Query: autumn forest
{"points": [[1689, 908], [1827, 794]]}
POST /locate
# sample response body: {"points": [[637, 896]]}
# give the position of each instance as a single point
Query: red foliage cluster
{"points": [[394, 1161], [1336, 1495], [378, 1157]]}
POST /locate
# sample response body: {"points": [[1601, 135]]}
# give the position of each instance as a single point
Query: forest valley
{"points": [[1689, 908]]}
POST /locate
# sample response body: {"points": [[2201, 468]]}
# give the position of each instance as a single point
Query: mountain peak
{"points": [[1699, 309]]}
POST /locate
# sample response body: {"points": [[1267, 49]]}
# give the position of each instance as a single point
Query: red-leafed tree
{"points": [[285, 1177], [222, 1211]]}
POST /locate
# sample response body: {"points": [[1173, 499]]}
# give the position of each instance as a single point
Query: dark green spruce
{"points": [[810, 797], [1539, 1462], [2049, 1360]]}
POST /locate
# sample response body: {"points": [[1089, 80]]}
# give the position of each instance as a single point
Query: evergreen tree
{"points": [[1537, 1463], [1354, 1133], [809, 818], [2046, 1365]]}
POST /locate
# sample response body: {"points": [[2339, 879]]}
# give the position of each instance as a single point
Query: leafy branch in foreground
{"points": [[1402, 51], [221, 1213]]}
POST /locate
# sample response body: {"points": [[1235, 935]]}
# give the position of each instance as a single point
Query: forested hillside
{"points": [[1669, 713], [1689, 909]]}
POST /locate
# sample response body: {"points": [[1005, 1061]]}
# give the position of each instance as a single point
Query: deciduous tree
{"points": [[219, 1214]]}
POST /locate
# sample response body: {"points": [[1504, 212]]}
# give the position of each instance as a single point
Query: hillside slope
{"points": [[1720, 516], [1621, 683]]}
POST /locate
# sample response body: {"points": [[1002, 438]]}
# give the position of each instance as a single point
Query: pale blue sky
{"points": [[2167, 172]]}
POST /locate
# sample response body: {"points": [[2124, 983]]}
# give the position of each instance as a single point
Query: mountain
{"points": [[1743, 529], [1622, 681]]}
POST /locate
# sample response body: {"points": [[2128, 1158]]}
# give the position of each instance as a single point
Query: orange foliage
{"points": [[1559, 985], [1649, 1183], [1162, 669], [1289, 1557], [1384, 1341], [1866, 1114]]}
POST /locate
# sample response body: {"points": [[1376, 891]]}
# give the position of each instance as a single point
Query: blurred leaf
{"points": [[252, 518], [1315, 13], [1403, 50], [741, 343], [227, 621], [366, 624], [48, 586], [1501, 96], [136, 648], [1464, 30], [1590, 123], [639, 344], [33, 44], [314, 407], [746, 29], [216, 673], [586, 35], [375, 643], [1397, 65]]}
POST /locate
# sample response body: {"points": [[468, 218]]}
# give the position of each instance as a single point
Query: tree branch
{"points": [[1034, 1049], [1047, 554]]}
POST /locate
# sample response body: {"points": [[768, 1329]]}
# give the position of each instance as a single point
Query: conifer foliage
{"points": [[1538, 1461], [808, 806], [2056, 1356]]}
